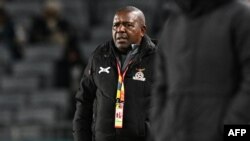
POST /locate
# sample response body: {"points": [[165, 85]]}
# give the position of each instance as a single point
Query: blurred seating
{"points": [[36, 115], [88, 47], [101, 34], [43, 52], [21, 11], [5, 60], [5, 56], [6, 117], [9, 105], [51, 98], [19, 84], [43, 71], [5, 134], [12, 101], [25, 132], [80, 20]]}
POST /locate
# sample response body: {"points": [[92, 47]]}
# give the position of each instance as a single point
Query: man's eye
{"points": [[129, 25]]}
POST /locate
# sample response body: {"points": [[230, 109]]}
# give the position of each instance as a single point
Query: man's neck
{"points": [[125, 57]]}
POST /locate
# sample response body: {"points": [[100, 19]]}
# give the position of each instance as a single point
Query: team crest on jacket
{"points": [[139, 75]]}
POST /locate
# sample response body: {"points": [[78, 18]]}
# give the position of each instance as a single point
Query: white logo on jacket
{"points": [[104, 70], [139, 75]]}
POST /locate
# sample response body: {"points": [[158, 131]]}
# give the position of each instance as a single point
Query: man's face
{"points": [[127, 30]]}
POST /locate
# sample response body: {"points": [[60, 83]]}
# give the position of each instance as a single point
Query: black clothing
{"points": [[203, 72], [100, 88]]}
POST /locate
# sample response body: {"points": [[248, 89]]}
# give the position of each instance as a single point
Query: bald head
{"points": [[135, 11]]}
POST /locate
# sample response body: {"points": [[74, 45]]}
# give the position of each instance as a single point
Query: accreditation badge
{"points": [[119, 115]]}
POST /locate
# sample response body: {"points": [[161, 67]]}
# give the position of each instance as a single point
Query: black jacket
{"points": [[203, 71], [99, 89]]}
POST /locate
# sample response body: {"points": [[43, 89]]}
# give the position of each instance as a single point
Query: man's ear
{"points": [[143, 30]]}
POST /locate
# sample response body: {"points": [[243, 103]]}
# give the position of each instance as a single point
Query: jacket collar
{"points": [[147, 46]]}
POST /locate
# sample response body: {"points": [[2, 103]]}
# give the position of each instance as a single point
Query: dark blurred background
{"points": [[44, 46]]}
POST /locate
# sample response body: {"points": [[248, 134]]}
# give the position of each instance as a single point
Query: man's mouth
{"points": [[121, 39]]}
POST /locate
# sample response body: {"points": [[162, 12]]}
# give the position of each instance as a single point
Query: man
{"points": [[203, 71], [117, 81]]}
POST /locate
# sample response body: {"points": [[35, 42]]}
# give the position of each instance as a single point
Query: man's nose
{"points": [[121, 28]]}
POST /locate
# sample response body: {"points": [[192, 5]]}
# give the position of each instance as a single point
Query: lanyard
{"points": [[120, 96]]}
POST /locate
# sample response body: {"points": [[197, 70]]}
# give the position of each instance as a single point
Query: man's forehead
{"points": [[125, 17]]}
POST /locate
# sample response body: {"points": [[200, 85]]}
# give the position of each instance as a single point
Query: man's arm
{"points": [[159, 96], [238, 112], [84, 106]]}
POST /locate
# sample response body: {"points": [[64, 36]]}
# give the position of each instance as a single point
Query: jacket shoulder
{"points": [[102, 49]]}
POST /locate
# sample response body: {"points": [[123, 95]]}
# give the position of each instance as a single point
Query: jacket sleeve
{"points": [[238, 112], [159, 98], [85, 96]]}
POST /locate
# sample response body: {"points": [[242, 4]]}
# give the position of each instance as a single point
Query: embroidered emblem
{"points": [[104, 70], [139, 75]]}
